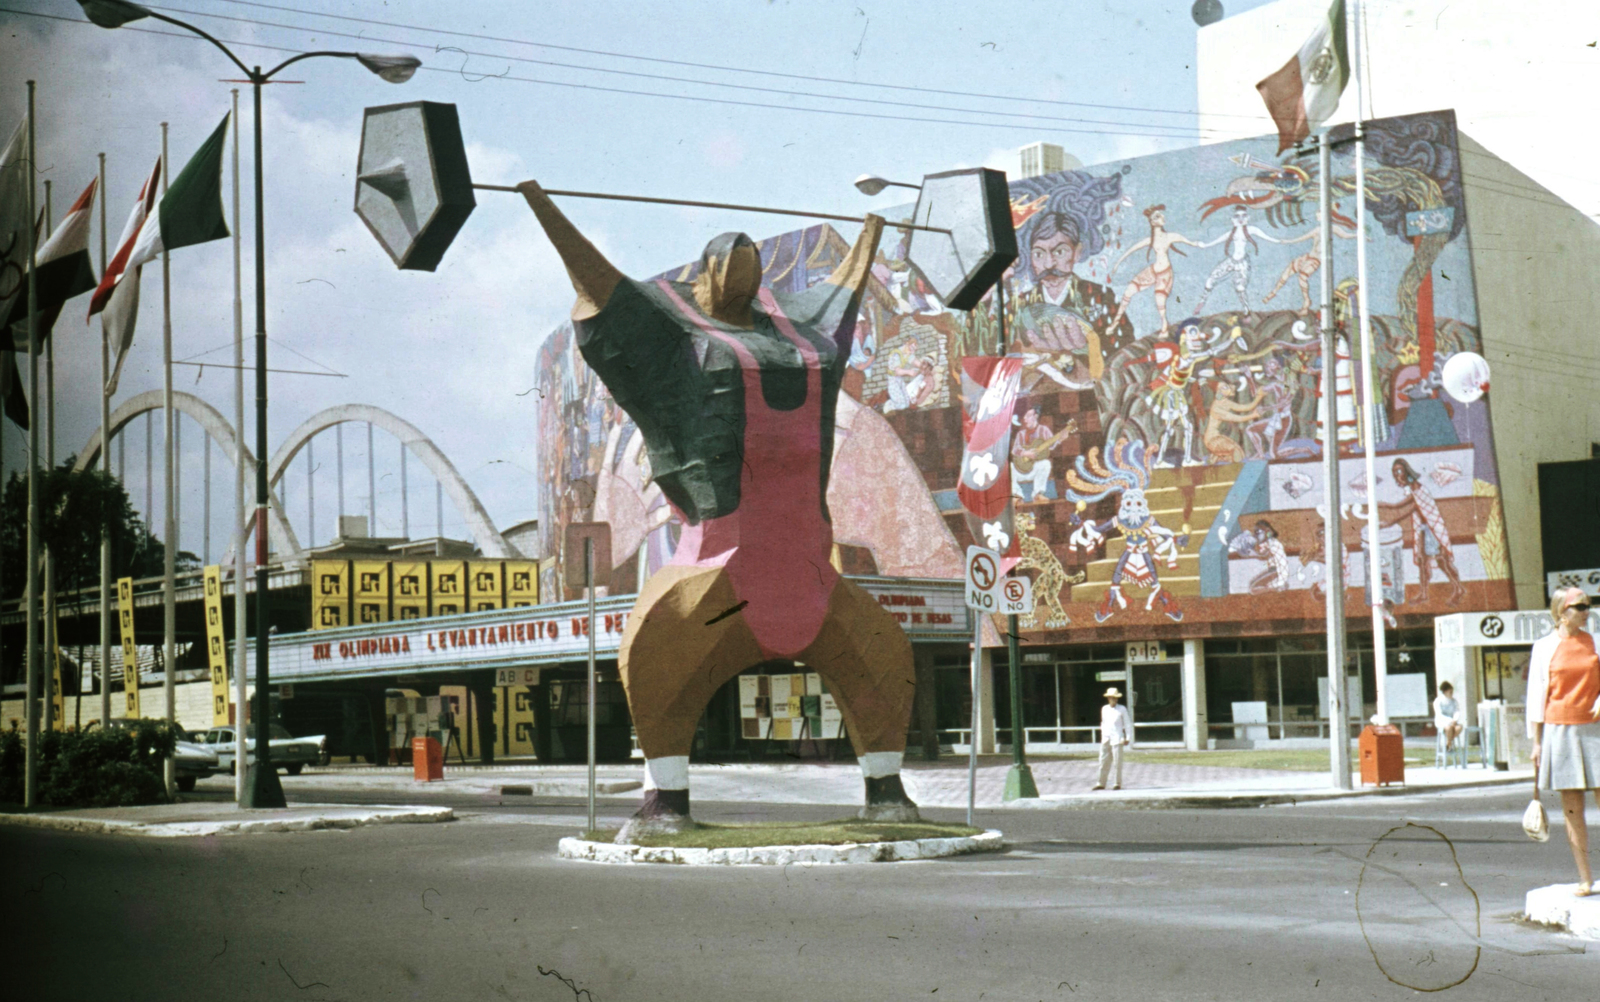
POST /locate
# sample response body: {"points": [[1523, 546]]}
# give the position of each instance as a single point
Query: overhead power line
{"points": [[1173, 131], [738, 69]]}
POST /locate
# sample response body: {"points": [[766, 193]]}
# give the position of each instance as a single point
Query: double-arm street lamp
{"points": [[262, 788]]}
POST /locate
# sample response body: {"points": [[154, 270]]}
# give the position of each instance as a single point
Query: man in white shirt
{"points": [[1116, 733]]}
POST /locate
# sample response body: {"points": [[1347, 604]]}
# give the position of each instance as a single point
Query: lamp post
{"points": [[262, 788], [1019, 778]]}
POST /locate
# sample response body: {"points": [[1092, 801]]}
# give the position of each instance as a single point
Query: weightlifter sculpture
{"points": [[734, 387]]}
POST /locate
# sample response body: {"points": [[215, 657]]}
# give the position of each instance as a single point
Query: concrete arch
{"points": [[487, 537], [280, 534]]}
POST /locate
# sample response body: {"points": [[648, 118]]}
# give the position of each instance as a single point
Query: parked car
{"points": [[193, 760], [293, 753]]}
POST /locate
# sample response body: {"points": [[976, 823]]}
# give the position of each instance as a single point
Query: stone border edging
{"points": [[1555, 905], [781, 855], [189, 829]]}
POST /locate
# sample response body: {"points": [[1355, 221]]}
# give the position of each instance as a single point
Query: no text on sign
{"points": [[1016, 596]]}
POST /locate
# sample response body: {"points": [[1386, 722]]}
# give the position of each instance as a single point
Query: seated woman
{"points": [[1448, 716]]}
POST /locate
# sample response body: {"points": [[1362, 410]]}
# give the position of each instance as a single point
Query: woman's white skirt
{"points": [[1570, 757]]}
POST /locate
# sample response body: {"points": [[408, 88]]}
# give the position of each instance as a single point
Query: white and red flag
{"points": [[1305, 92], [65, 271], [989, 393], [118, 294]]}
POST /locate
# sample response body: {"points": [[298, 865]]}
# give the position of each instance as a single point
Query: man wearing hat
{"points": [[1116, 733]]}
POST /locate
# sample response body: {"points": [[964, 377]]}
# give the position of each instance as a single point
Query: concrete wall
{"points": [[1534, 261], [193, 704]]}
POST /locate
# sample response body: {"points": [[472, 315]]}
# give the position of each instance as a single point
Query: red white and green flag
{"points": [[190, 210], [1305, 92]]}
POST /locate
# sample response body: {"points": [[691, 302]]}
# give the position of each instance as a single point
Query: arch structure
{"points": [[484, 534], [280, 534]]}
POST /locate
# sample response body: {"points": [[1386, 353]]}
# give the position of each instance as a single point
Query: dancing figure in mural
{"points": [[1145, 541], [1430, 537], [1237, 243], [1158, 249], [1064, 313], [1170, 390], [734, 388], [1275, 576], [1266, 433]]}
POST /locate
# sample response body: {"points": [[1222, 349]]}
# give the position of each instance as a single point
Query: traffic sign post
{"points": [[988, 592], [1016, 597]]}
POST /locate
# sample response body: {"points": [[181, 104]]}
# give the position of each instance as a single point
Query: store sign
{"points": [[1497, 629], [1146, 652], [1588, 581]]}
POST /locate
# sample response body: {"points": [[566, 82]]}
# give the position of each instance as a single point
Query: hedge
{"points": [[101, 767]]}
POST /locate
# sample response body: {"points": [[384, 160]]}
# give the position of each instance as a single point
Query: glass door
{"points": [[1156, 692]]}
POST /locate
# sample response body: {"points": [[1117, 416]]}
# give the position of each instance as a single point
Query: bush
{"points": [[102, 767]]}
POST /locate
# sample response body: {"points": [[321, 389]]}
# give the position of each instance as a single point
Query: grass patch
{"points": [[1287, 760], [746, 836]]}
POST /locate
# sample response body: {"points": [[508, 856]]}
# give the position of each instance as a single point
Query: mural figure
{"points": [[1275, 576], [1237, 243], [1265, 435], [1030, 449], [1225, 410], [910, 386], [1064, 313], [1430, 537], [1158, 249], [1145, 540], [1173, 385], [734, 388]]}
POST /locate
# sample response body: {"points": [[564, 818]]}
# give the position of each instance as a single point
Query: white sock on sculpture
{"points": [[670, 772], [878, 764]]}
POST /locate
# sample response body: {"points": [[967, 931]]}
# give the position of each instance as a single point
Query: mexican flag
{"points": [[64, 272], [190, 210], [1305, 93]]}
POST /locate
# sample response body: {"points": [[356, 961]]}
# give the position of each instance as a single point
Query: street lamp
{"points": [[871, 184], [262, 788]]}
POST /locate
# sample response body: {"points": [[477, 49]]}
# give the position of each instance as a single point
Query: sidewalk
{"points": [[211, 818], [1062, 782]]}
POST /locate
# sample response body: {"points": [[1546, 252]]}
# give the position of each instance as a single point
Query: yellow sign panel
{"points": [[522, 583], [216, 646], [58, 700], [130, 650], [487, 586], [449, 581], [410, 590], [330, 594], [371, 591]]}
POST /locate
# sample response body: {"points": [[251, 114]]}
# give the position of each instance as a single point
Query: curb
{"points": [[345, 818], [1190, 801], [782, 855], [1555, 905]]}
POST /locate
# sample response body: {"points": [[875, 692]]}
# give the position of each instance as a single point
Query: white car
{"points": [[288, 751]]}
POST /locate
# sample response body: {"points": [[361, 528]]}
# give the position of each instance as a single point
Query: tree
{"points": [[73, 505]]}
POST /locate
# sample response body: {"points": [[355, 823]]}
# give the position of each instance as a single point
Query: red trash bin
{"points": [[1383, 755], [427, 759]]}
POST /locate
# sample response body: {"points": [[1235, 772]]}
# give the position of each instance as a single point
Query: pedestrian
{"points": [[1116, 733], [1448, 715], [1564, 719]]}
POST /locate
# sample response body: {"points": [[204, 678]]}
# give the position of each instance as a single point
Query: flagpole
{"points": [[240, 605], [30, 786], [105, 465], [1369, 402], [1333, 526], [169, 556], [51, 643]]}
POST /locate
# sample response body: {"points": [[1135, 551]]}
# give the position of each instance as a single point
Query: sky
{"points": [[746, 101]]}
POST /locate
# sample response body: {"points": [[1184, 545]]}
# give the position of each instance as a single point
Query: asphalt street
{"points": [[1370, 898]]}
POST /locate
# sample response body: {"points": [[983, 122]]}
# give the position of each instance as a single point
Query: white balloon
{"points": [[1466, 376]]}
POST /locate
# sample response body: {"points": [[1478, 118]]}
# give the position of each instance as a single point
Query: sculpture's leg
{"points": [[865, 658], [680, 645]]}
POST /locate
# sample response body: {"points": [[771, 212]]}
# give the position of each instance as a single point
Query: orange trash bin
{"points": [[427, 759], [1383, 755]]}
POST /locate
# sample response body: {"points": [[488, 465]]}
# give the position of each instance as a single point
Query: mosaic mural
{"points": [[1168, 437]]}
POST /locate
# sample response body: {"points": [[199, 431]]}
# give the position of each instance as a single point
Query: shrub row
{"points": [[100, 767]]}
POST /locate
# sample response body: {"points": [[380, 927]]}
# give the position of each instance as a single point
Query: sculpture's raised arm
{"points": [[593, 277], [852, 272]]}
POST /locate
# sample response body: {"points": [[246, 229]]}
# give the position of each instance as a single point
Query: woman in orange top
{"points": [[1564, 718]]}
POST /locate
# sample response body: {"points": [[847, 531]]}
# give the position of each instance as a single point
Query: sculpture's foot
{"points": [[887, 801], [663, 812]]}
